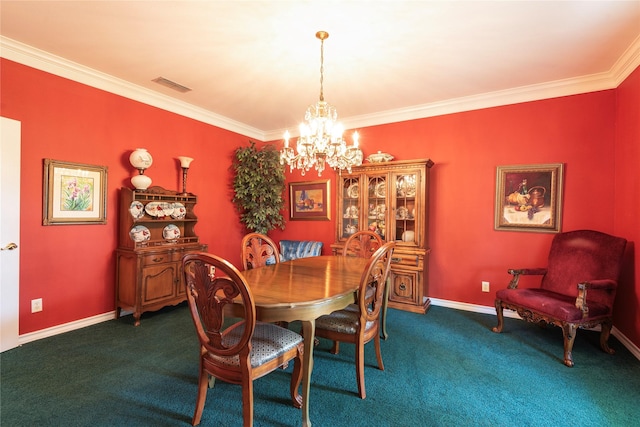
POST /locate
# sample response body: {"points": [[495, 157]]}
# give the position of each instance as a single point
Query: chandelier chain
{"points": [[322, 69]]}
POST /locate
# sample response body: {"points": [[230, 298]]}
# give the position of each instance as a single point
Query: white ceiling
{"points": [[254, 66]]}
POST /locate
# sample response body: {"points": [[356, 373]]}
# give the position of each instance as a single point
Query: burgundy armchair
{"points": [[577, 289]]}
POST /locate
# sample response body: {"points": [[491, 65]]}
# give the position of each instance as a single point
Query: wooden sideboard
{"points": [[157, 227], [392, 199]]}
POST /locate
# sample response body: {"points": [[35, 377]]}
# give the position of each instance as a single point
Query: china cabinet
{"points": [[391, 199], [157, 227]]}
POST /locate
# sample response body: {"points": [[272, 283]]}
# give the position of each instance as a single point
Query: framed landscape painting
{"points": [[529, 198], [309, 200], [74, 193]]}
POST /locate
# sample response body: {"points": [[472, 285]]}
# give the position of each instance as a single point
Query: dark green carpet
{"points": [[445, 368]]}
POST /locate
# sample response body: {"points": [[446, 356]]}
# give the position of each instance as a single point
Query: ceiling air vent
{"points": [[173, 85]]}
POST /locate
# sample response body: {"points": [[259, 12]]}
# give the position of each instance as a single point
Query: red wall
{"points": [[72, 267], [627, 202]]}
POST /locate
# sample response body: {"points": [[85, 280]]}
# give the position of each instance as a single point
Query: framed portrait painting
{"points": [[74, 193], [309, 200], [529, 198]]}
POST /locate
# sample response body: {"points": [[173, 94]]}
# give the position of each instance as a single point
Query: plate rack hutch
{"points": [[392, 199], [157, 228]]}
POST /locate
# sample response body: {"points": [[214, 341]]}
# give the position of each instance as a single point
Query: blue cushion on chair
{"points": [[293, 249]]}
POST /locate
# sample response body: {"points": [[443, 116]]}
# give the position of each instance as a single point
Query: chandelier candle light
{"points": [[320, 142], [184, 163]]}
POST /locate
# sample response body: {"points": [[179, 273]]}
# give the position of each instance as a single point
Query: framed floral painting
{"points": [[529, 198], [74, 193]]}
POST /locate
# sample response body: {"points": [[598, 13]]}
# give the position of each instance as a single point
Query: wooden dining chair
{"points": [[258, 250], [363, 244], [237, 350], [359, 323]]}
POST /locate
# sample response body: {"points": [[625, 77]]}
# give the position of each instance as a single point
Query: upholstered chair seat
{"points": [[346, 321], [269, 342]]}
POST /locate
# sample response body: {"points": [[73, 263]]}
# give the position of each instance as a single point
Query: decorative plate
{"points": [[381, 190], [406, 187], [140, 233], [402, 212], [352, 191], [179, 211], [379, 157], [136, 209], [171, 232], [159, 209]]}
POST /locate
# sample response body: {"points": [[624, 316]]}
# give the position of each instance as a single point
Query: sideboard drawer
{"points": [[156, 258], [406, 260]]}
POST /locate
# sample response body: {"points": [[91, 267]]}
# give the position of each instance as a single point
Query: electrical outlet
{"points": [[36, 305], [485, 286]]}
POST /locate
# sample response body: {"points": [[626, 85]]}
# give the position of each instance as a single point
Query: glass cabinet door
{"points": [[350, 206], [377, 209], [405, 193]]}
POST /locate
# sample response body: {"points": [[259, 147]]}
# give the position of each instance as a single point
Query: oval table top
{"points": [[311, 286]]}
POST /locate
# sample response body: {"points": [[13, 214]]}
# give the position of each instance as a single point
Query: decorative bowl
{"points": [[379, 157]]}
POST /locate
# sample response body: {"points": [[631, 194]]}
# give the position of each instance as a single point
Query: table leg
{"points": [[309, 333]]}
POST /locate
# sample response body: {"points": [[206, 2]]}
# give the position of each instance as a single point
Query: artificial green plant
{"points": [[259, 184]]}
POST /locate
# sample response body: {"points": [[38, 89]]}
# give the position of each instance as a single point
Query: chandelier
{"points": [[320, 142]]}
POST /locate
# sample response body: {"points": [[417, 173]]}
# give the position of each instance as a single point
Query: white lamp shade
{"points": [[185, 161], [140, 158]]}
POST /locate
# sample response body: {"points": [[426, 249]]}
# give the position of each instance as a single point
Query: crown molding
{"points": [[44, 61], [628, 62]]}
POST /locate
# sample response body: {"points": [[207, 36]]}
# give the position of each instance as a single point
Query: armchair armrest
{"points": [[513, 284], [581, 299]]}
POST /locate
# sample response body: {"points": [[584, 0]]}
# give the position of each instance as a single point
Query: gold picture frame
{"points": [[74, 193], [529, 198], [310, 200]]}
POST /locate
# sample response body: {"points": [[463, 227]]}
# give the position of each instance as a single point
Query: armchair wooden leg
{"points": [[203, 383], [569, 335], [500, 314], [604, 337], [247, 402], [378, 352], [336, 347], [360, 369]]}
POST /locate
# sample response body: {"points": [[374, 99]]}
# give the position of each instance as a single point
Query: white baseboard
{"points": [[509, 313], [66, 327], [626, 342], [483, 309]]}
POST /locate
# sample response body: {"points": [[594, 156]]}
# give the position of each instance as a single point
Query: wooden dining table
{"points": [[304, 289]]}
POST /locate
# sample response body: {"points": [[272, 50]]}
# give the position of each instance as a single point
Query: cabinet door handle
{"points": [[403, 287], [158, 259]]}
